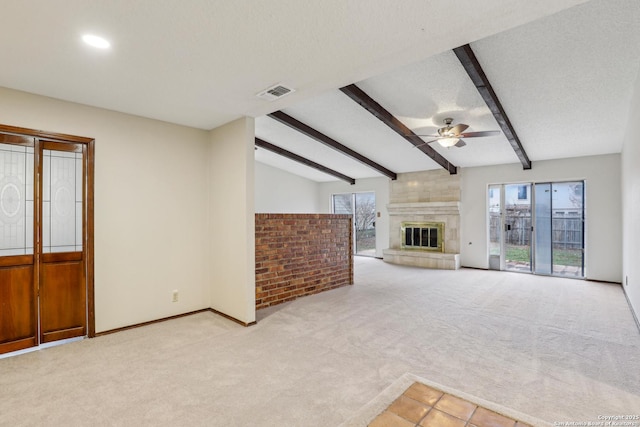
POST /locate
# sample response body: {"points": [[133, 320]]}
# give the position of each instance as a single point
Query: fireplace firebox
{"points": [[424, 236]]}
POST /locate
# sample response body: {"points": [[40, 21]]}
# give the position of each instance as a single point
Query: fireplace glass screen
{"points": [[425, 236]]}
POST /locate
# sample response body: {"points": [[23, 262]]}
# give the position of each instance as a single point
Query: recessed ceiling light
{"points": [[96, 41]]}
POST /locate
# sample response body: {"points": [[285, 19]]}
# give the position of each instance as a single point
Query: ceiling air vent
{"points": [[275, 92]]}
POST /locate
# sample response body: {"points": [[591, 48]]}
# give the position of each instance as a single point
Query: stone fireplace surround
{"points": [[430, 196], [445, 212]]}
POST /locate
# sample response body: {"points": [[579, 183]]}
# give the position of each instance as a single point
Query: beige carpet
{"points": [[557, 349]]}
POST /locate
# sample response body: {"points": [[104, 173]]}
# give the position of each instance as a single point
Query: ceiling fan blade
{"points": [[460, 144], [458, 129], [425, 143], [422, 136], [482, 133]]}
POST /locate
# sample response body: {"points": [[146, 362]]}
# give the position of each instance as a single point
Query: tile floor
{"points": [[424, 406]]}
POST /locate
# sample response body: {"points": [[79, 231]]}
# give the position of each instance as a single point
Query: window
{"points": [[362, 207], [522, 192]]}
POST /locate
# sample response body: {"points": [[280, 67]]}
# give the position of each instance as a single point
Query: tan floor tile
{"points": [[423, 393], [437, 418], [486, 418], [389, 419], [455, 406], [441, 409], [409, 409]]}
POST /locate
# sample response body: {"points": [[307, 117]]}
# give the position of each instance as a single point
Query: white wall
{"points": [[150, 206], [380, 186], [232, 219], [603, 208], [278, 191], [631, 204]]}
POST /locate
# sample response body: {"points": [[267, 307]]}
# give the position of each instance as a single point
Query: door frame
{"points": [[353, 195], [89, 232], [530, 198], [532, 238], [503, 230]]}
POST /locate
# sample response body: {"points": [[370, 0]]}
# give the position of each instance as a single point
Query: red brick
{"points": [[301, 254]]}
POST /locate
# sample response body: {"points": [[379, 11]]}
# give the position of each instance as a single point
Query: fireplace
{"points": [[423, 236], [424, 220]]}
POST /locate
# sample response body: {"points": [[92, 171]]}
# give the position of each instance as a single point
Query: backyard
{"points": [[366, 242], [566, 257]]}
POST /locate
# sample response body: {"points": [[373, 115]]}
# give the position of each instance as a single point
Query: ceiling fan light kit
{"points": [[448, 141], [451, 136]]}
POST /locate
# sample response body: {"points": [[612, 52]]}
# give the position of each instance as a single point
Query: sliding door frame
{"points": [[88, 238], [533, 238], [354, 196]]}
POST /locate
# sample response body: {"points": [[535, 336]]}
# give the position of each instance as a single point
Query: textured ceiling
{"points": [[561, 68], [201, 62], [564, 80]]}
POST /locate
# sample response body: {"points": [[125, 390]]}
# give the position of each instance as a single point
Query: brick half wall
{"points": [[301, 254]]}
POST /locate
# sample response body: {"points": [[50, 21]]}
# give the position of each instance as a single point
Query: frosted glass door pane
{"points": [[16, 200], [61, 201], [543, 229]]}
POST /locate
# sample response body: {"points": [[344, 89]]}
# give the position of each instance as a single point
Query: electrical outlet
{"points": [[175, 296]]}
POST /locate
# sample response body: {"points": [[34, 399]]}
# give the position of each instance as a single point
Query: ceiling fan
{"points": [[451, 136]]}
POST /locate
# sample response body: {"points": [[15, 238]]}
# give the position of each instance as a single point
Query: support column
{"points": [[232, 220]]}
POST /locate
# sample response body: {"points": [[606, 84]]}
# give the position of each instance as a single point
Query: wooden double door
{"points": [[46, 238]]}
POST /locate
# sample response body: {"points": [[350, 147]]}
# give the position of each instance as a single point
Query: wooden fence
{"points": [[566, 231]]}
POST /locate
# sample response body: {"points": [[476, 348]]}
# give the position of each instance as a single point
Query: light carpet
{"points": [[556, 349]]}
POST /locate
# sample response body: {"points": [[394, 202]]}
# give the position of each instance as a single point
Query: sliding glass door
{"points": [[362, 207], [537, 227], [560, 228], [543, 247], [495, 227], [517, 227]]}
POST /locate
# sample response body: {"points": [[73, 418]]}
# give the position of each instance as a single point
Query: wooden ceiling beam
{"points": [[332, 143], [479, 78], [369, 104], [293, 156]]}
